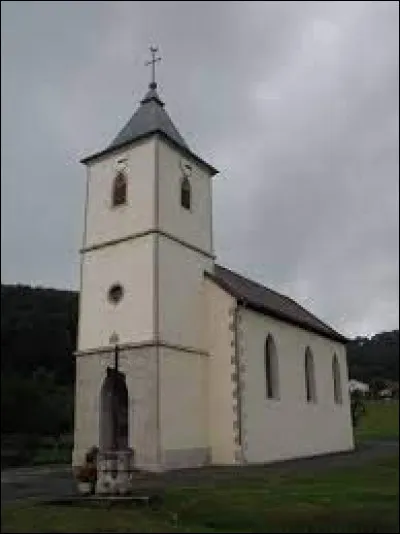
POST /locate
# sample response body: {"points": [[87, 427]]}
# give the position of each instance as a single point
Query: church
{"points": [[213, 368]]}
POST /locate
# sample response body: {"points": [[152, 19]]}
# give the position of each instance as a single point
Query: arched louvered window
{"points": [[186, 192], [271, 369], [309, 375], [337, 386], [119, 190]]}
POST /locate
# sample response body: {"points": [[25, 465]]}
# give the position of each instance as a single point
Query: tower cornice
{"points": [[184, 151], [145, 233]]}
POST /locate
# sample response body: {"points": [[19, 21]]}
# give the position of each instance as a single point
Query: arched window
{"points": [[271, 369], [119, 190], [185, 193], [309, 372], [337, 387]]}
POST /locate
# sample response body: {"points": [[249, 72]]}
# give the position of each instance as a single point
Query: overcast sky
{"points": [[295, 103]]}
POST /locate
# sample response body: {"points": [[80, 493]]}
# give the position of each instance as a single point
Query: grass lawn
{"points": [[353, 499], [380, 421]]}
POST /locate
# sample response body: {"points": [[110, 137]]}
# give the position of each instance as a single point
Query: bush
{"points": [[358, 409]]}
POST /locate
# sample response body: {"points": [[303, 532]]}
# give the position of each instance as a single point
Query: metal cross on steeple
{"points": [[152, 62]]}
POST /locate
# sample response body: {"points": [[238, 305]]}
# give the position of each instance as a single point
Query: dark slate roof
{"points": [[149, 117], [264, 300]]}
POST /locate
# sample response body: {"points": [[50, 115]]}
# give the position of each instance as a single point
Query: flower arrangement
{"points": [[86, 474]]}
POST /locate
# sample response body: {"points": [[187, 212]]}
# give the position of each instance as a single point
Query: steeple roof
{"points": [[150, 117]]}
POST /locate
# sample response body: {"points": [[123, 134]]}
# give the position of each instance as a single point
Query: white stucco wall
{"points": [[139, 366], [131, 264], [291, 427], [220, 344], [90, 373], [142, 268], [183, 407], [104, 222], [193, 226], [181, 294]]}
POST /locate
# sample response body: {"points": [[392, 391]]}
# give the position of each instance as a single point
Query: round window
{"points": [[115, 293]]}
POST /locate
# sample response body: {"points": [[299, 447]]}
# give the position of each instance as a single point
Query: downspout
{"points": [[238, 374]]}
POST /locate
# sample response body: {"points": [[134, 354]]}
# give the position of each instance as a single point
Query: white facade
{"points": [[191, 226], [103, 222], [220, 335], [287, 427], [191, 355], [115, 264], [158, 252]]}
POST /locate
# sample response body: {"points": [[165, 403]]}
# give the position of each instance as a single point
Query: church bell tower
{"points": [[147, 241]]}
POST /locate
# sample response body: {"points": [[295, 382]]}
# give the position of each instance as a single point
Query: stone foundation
{"points": [[114, 472]]}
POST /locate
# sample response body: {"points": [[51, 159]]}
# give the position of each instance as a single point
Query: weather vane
{"points": [[152, 62]]}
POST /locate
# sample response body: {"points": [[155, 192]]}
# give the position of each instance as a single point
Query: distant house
{"points": [[385, 393], [355, 385]]}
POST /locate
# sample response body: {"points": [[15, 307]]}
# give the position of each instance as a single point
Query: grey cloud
{"points": [[295, 102]]}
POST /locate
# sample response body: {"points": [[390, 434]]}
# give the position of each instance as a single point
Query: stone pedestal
{"points": [[114, 472]]}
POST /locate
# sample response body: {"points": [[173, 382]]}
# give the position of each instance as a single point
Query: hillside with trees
{"points": [[38, 335], [375, 360]]}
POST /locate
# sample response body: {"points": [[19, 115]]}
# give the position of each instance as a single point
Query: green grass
{"points": [[55, 455], [23, 450], [381, 421], [352, 499]]}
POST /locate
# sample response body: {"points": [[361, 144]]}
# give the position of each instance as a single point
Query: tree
{"points": [[357, 407]]}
